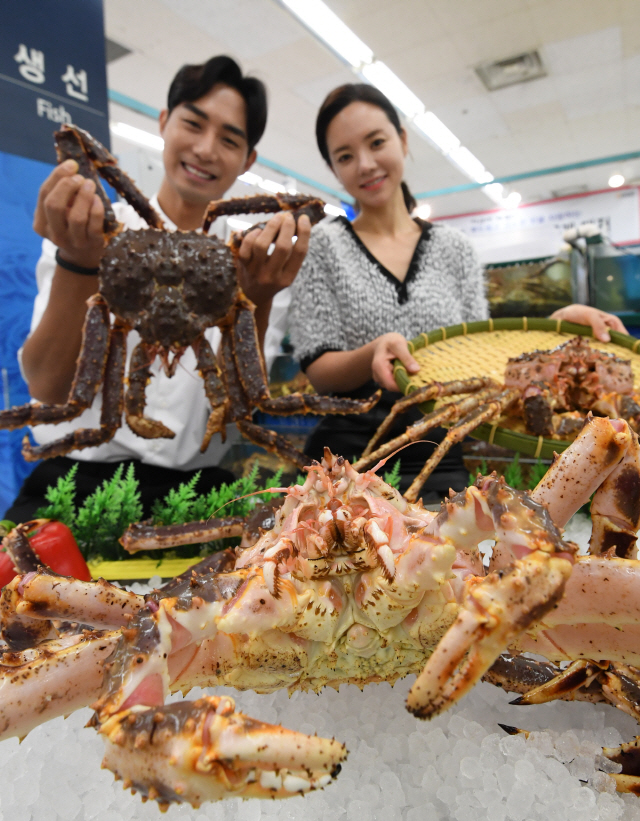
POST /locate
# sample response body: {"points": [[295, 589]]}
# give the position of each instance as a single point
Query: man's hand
{"points": [[387, 348], [262, 275], [600, 321], [70, 214]]}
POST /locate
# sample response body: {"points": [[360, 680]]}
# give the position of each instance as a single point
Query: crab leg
{"points": [[77, 144], [493, 614], [609, 459], [20, 631], [528, 676], [425, 394], [54, 679], [71, 144], [495, 610], [489, 410], [214, 389], [17, 545], [205, 751], [264, 204], [139, 378], [534, 573], [596, 451], [585, 623], [254, 381], [112, 403], [615, 509], [95, 342], [143, 536], [240, 348], [44, 595], [440, 416]]}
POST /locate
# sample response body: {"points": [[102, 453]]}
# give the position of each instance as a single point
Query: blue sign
{"points": [[52, 71]]}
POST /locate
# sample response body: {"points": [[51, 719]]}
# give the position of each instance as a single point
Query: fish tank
{"points": [[614, 281], [535, 287]]}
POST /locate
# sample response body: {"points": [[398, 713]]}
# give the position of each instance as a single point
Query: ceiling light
{"points": [[616, 180], [238, 225], [470, 164], [137, 135], [423, 211], [436, 131], [381, 76], [334, 210], [330, 28], [494, 192], [513, 200], [250, 178], [270, 185]]}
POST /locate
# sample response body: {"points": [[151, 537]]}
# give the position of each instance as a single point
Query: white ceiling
{"points": [[587, 107]]}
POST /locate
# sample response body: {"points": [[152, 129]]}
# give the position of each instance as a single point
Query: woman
{"points": [[368, 286]]}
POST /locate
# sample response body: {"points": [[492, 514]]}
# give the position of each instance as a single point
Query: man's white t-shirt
{"points": [[178, 402]]}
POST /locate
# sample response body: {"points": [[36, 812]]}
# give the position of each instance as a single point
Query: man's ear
{"points": [[253, 155], [162, 119]]}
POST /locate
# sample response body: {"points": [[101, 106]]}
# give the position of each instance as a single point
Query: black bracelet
{"points": [[75, 269]]}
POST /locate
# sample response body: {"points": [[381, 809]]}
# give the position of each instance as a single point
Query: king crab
{"points": [[552, 391], [351, 584], [170, 287]]}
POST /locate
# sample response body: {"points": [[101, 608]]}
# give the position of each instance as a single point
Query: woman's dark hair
{"points": [[193, 82], [343, 96]]}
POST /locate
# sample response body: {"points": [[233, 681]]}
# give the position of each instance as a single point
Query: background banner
{"points": [[52, 70], [536, 230]]}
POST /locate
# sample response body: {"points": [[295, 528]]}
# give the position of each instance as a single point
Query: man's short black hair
{"points": [[193, 82]]}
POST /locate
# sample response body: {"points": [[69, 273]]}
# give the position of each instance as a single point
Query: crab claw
{"points": [[204, 751], [495, 611]]}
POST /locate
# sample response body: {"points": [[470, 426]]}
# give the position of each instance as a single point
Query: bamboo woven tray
{"points": [[483, 348]]}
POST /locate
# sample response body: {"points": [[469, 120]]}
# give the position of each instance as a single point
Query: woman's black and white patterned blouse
{"points": [[343, 298]]}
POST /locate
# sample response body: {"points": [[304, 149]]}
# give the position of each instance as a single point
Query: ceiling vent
{"points": [[115, 50], [513, 70]]}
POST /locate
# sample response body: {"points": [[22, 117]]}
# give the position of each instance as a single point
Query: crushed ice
{"points": [[459, 766]]}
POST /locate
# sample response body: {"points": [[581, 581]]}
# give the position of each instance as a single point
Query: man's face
{"points": [[205, 145]]}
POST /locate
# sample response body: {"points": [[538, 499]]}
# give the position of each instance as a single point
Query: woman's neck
{"points": [[391, 219]]}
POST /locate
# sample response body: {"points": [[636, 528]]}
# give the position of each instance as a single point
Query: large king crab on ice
{"points": [[169, 286], [352, 583]]}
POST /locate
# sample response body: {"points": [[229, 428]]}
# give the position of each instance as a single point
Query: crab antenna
{"points": [[386, 459], [246, 496]]}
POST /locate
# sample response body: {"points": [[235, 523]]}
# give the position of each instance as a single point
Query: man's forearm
{"points": [[50, 353]]}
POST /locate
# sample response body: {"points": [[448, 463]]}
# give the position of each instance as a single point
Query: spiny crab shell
{"points": [[347, 571]]}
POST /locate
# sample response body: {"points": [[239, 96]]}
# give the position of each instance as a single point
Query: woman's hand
{"points": [[600, 321], [387, 348]]}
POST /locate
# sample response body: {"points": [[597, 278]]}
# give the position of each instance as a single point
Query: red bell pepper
{"points": [[54, 543], [7, 570]]}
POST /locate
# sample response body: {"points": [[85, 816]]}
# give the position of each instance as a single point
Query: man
{"points": [[213, 120]]}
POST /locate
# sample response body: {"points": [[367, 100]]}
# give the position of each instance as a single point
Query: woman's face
{"points": [[367, 153]]}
